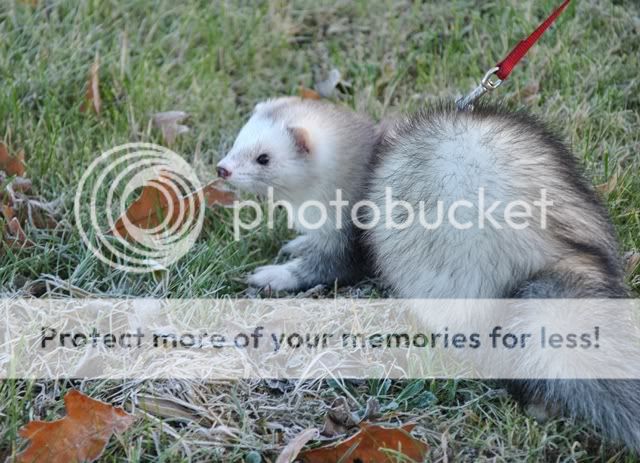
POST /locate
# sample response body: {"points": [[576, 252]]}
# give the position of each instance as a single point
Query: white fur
{"points": [[274, 277], [296, 246], [449, 262]]}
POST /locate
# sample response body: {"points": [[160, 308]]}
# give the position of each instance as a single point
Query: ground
{"points": [[215, 62]]}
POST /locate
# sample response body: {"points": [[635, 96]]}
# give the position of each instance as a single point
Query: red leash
{"points": [[504, 67]]}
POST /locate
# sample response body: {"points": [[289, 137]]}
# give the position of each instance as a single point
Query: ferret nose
{"points": [[222, 172]]}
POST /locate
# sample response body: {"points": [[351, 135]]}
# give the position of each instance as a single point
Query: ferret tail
{"points": [[611, 405]]}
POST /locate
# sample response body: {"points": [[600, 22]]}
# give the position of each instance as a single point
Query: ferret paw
{"points": [[274, 277], [295, 247]]}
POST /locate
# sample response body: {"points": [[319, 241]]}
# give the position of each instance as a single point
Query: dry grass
{"points": [[215, 62]]}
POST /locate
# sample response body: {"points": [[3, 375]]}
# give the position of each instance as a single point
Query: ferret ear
{"points": [[301, 139], [273, 103], [260, 106]]}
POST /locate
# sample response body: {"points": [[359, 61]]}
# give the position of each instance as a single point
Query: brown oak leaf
{"points": [[168, 123], [150, 209], [16, 237], [372, 443], [80, 436], [12, 165]]}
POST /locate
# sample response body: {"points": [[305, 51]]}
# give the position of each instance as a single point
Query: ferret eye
{"points": [[263, 159]]}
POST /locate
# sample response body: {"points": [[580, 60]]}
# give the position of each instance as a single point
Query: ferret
{"points": [[306, 149]]}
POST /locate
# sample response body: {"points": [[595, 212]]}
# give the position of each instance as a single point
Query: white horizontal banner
{"points": [[215, 339]]}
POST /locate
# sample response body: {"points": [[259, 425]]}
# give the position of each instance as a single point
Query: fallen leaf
{"points": [[327, 87], [29, 209], [150, 209], [12, 165], [530, 91], [372, 409], [80, 436], [372, 443], [632, 260], [339, 419], [168, 123], [215, 194], [606, 188], [7, 212], [17, 207], [21, 184], [41, 214], [16, 237], [92, 97], [292, 449], [308, 94]]}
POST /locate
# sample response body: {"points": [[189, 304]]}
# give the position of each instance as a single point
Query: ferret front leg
{"points": [[294, 248], [320, 263], [298, 274], [275, 277]]}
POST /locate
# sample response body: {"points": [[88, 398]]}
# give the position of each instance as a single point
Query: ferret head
{"points": [[269, 152]]}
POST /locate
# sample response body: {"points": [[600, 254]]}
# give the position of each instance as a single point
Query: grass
{"points": [[215, 62]]}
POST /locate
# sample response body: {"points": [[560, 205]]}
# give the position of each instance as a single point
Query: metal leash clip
{"points": [[486, 85]]}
